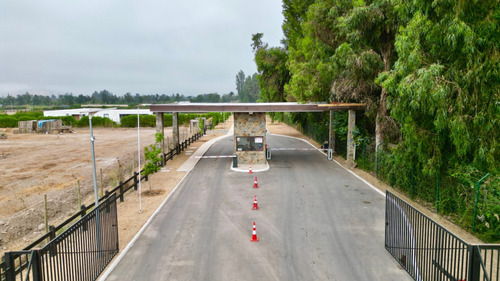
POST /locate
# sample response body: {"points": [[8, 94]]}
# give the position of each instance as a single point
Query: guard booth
{"points": [[250, 137]]}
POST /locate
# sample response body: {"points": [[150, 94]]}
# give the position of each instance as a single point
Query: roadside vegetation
{"points": [[428, 72], [11, 121]]}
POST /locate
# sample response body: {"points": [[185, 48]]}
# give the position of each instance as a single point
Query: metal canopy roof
{"points": [[254, 107]]}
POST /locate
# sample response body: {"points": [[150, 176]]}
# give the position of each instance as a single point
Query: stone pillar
{"points": [[331, 137], [160, 128], [175, 130], [351, 146]]}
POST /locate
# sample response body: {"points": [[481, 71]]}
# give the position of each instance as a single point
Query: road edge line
{"points": [[148, 222], [353, 173]]}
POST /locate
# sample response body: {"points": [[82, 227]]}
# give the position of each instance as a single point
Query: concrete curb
{"points": [[266, 167]]}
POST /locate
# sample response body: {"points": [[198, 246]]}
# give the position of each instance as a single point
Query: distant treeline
{"points": [[106, 97], [11, 121]]}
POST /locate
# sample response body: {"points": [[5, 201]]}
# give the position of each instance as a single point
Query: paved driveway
{"points": [[316, 222]]}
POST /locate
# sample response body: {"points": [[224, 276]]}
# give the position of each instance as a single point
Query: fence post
{"points": [[376, 158], [9, 270], [437, 194], [36, 265], [121, 191], [46, 215], [52, 235], [412, 182], [82, 214], [135, 179], [364, 154], [392, 172], [475, 264], [478, 186]]}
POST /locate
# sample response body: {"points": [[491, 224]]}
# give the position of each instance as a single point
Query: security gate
{"points": [[79, 253], [429, 252]]}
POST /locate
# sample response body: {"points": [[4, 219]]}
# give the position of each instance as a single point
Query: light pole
{"points": [[98, 223], [139, 157], [92, 139]]}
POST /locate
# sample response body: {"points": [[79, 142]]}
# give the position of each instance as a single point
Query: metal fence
{"points": [[183, 145], [427, 251], [79, 253]]}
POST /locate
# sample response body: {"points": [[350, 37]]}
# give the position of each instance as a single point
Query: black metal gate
{"points": [[427, 251], [79, 253]]}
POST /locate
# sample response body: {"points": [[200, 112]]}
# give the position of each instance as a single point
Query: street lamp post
{"points": [[139, 157], [98, 223], [92, 139]]}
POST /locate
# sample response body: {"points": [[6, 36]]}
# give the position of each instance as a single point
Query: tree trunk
{"points": [[379, 120], [382, 108]]}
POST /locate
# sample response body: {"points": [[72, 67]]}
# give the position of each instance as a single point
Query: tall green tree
{"points": [[445, 85], [295, 14], [273, 73], [251, 88], [367, 32], [240, 82]]}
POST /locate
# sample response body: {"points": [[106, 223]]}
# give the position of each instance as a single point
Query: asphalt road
{"points": [[316, 222]]}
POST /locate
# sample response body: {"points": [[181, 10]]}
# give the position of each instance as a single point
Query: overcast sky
{"points": [[188, 47]]}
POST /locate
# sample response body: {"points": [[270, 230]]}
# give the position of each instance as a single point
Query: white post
{"points": [[98, 222], [139, 158]]}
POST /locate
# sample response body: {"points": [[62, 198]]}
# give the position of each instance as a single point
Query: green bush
{"points": [[8, 122], [130, 121], [96, 122], [28, 115]]}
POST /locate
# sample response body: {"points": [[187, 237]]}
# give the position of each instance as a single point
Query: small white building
{"points": [[111, 113]]}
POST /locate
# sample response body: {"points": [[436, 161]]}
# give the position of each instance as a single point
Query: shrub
{"points": [[130, 121], [96, 122], [8, 122]]}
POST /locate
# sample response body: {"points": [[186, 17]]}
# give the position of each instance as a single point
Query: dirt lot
{"points": [[34, 165]]}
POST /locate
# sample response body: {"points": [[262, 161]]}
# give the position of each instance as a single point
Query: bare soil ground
{"points": [[34, 165]]}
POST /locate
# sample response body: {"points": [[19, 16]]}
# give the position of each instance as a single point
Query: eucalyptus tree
{"points": [[445, 84]]}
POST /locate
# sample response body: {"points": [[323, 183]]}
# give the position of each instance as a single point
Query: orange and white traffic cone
{"points": [[254, 234], [250, 169], [255, 206], [255, 184]]}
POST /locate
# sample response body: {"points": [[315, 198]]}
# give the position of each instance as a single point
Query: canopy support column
{"points": [[175, 131], [351, 145], [331, 137], [160, 129]]}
